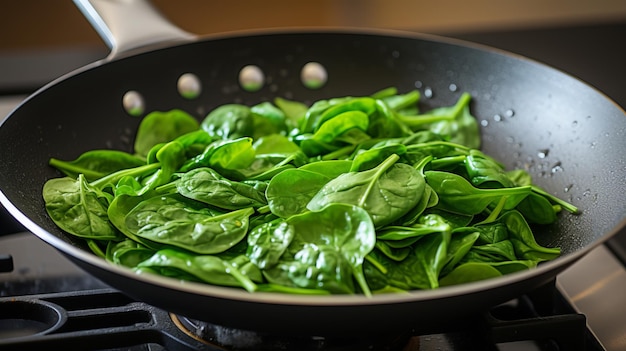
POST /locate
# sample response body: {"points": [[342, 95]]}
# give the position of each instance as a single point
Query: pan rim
{"points": [[305, 300]]}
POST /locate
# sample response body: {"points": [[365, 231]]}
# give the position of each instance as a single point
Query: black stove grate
{"points": [[106, 319]]}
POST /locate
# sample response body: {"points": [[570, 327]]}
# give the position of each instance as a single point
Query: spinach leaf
{"points": [[162, 127], [483, 170], [294, 111], [128, 253], [341, 124], [523, 239], [327, 249], [230, 121], [427, 225], [223, 155], [267, 120], [173, 221], [289, 192], [470, 272], [206, 268], [268, 241], [208, 186], [421, 268], [537, 209], [371, 158], [96, 164], [78, 208], [331, 169], [475, 271], [363, 106], [456, 194], [386, 192]]}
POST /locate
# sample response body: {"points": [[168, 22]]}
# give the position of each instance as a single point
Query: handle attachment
{"points": [[131, 25]]}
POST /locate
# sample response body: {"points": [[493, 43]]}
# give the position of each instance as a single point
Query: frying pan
{"points": [[568, 135]]}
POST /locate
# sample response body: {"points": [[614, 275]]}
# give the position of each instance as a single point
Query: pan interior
{"points": [[565, 133]]}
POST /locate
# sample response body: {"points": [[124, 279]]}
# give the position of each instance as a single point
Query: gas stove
{"points": [[48, 302]]}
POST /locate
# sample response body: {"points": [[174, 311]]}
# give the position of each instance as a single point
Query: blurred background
{"points": [[43, 39], [34, 24]]}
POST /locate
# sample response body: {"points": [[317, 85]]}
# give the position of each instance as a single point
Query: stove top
{"points": [[46, 301]]}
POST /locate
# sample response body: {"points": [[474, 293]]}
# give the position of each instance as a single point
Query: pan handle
{"points": [[127, 26]]}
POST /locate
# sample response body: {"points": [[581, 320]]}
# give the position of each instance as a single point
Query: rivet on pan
{"points": [[251, 78], [189, 86], [428, 92], [313, 75], [133, 103]]}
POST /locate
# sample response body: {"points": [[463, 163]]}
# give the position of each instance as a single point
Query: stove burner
{"points": [[20, 318], [106, 319], [232, 339]]}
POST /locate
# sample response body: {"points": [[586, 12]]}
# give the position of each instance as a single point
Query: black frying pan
{"points": [[536, 108]]}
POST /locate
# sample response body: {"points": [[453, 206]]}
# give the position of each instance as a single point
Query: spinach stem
{"points": [[427, 118], [571, 208], [59, 164]]}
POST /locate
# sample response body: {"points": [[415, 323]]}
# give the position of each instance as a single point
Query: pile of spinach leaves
{"points": [[351, 195]]}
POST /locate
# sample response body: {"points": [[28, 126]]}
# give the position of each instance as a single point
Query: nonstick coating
{"points": [[568, 135]]}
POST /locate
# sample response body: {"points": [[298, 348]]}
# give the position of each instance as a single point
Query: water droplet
{"points": [[189, 86], [543, 153], [133, 103], [251, 78], [497, 118], [510, 139], [418, 84], [568, 188], [593, 144], [313, 75], [395, 54], [484, 123], [575, 124], [273, 88], [556, 168], [283, 73], [452, 87], [509, 113], [428, 92], [587, 192]]}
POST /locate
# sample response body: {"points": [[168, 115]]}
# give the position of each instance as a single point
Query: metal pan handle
{"points": [[128, 26]]}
